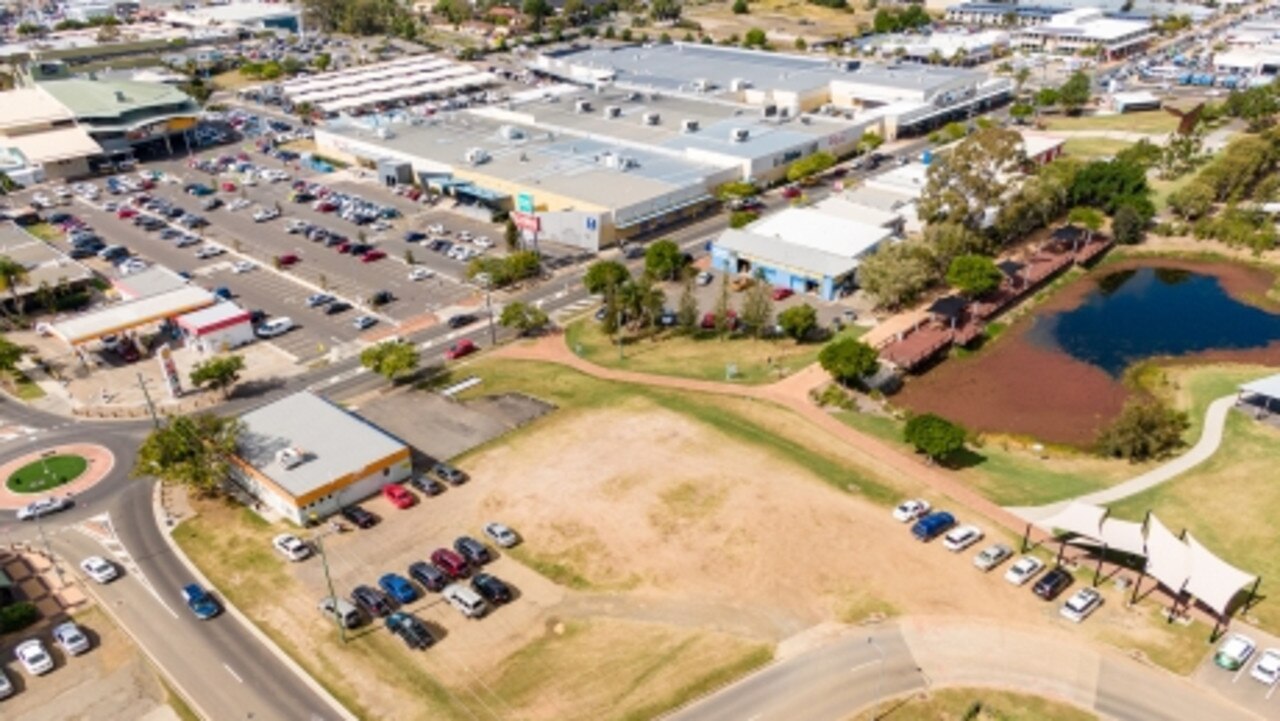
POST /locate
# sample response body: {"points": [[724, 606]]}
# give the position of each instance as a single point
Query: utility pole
{"points": [[151, 407], [488, 304], [328, 579]]}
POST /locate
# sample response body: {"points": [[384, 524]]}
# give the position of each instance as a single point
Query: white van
{"points": [[467, 602], [274, 327], [345, 612]]}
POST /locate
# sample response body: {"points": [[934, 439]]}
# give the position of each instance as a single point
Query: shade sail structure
{"points": [[1168, 560], [1212, 580], [1124, 536], [1079, 518]]}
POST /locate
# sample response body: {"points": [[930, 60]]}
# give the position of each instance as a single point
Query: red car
{"points": [[372, 256], [324, 206], [228, 187], [459, 349], [126, 213], [399, 497], [288, 259], [449, 562], [709, 321], [344, 246], [782, 293], [790, 192]]}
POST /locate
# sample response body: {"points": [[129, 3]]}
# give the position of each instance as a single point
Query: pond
{"points": [[1134, 314]]}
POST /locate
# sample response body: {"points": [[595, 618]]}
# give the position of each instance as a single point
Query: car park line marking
{"points": [[1272, 691], [234, 675], [861, 666], [1239, 673]]}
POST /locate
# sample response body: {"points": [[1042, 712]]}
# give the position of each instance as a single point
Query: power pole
{"points": [[151, 407], [328, 579]]}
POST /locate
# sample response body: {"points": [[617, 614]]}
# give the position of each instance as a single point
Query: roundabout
{"points": [[67, 469]]}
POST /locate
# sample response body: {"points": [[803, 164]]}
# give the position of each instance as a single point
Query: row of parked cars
{"points": [[35, 657], [929, 524], [1235, 652], [348, 206]]}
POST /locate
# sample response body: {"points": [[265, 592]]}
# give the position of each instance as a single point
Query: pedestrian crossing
{"points": [[100, 529], [573, 310]]}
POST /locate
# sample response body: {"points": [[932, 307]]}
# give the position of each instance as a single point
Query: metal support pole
{"points": [[151, 407], [1026, 536], [1097, 571], [328, 579]]}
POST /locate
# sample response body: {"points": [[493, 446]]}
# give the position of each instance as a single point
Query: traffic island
{"points": [[69, 469], [47, 473]]}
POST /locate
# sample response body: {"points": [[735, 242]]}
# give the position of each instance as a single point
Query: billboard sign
{"points": [[526, 222], [169, 370], [524, 203]]}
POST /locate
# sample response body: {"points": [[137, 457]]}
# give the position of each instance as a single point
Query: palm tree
{"points": [[12, 275]]}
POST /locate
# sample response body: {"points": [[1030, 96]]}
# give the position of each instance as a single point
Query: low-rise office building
{"points": [[309, 469], [1087, 29]]}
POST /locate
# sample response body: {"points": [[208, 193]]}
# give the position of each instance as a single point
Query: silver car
{"points": [[72, 640], [992, 556], [501, 534]]}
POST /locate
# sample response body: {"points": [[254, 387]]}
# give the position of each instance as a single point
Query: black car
{"points": [[449, 474], [460, 321], [476, 553], [373, 601], [493, 589], [407, 626], [337, 307], [1052, 583], [382, 297], [360, 517], [431, 578], [427, 485], [81, 252], [360, 248], [257, 316]]}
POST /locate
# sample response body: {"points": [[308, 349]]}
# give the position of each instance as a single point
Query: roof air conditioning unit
{"points": [[652, 118], [582, 106], [688, 126], [511, 132], [737, 85], [477, 156], [702, 85], [739, 135], [633, 96], [384, 133], [290, 457], [613, 111]]}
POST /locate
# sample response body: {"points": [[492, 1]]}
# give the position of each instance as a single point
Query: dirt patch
{"points": [[1021, 388]]}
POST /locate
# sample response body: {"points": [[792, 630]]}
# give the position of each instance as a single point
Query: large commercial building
{"points": [[1087, 29], [312, 468], [251, 16], [1024, 14]]}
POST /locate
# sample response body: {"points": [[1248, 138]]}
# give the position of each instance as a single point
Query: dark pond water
{"points": [[1135, 314]]}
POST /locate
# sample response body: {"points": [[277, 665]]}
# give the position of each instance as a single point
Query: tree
{"points": [[896, 274], [973, 275], [604, 276], [869, 141], [755, 38], [1047, 97], [665, 9], [191, 450], [12, 275], [390, 359], [740, 7], [575, 11], [967, 182], [1074, 94], [1090, 218], [1192, 200], [664, 260], [1128, 227], [1020, 78], [736, 189], [1145, 429], [641, 301], [537, 11], [848, 360], [511, 234], [945, 242], [934, 436], [687, 312], [524, 318], [322, 62], [219, 373], [722, 311], [757, 307], [801, 45], [809, 166], [799, 321], [1110, 184], [10, 354], [742, 218], [1021, 111]]}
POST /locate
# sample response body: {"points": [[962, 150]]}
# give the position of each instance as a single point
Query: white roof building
{"points": [[1086, 28]]}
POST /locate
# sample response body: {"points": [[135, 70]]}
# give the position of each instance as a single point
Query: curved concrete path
{"points": [[1215, 421]]}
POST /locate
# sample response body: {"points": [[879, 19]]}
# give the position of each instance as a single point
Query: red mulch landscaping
{"points": [[1017, 387]]}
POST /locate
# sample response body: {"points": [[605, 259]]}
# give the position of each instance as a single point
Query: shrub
{"points": [[18, 616], [740, 218], [934, 436], [1145, 429]]}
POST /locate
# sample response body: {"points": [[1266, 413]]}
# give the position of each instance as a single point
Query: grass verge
{"points": [[178, 703], [1155, 122], [971, 704], [23, 387], [1089, 149]]}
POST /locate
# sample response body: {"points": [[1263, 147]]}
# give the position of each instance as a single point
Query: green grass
{"points": [[1162, 189], [703, 356], [178, 703], [45, 232], [42, 475], [23, 387], [1155, 122], [954, 704], [570, 389], [1088, 149], [712, 678]]}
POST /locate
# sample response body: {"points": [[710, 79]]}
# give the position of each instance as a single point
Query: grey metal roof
{"points": [[334, 442], [774, 251], [763, 139]]}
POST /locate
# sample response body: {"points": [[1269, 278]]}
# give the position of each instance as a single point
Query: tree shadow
{"points": [[257, 387], [962, 459]]}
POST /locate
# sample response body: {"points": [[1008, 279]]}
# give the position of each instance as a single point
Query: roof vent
{"points": [[120, 97], [688, 126], [511, 132], [613, 111], [582, 106], [652, 118], [290, 457], [739, 135]]}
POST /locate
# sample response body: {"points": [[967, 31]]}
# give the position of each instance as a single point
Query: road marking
{"points": [[1238, 673], [100, 529], [1274, 686], [861, 666], [234, 675]]}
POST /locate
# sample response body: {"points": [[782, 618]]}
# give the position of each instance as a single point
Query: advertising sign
{"points": [[527, 223], [524, 203], [169, 370]]}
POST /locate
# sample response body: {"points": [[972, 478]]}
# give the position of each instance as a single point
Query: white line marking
{"points": [[861, 666], [1274, 686], [234, 675], [1238, 673]]}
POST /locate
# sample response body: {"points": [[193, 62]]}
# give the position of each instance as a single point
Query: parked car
{"points": [[364, 322], [461, 321], [1023, 570], [209, 251], [200, 602], [932, 525], [460, 349], [72, 640], [1267, 669], [420, 273], [345, 613], [371, 600], [911, 510], [449, 562], [449, 474], [1234, 652], [961, 538], [274, 327], [491, 588], [431, 577], [372, 255], [381, 297], [291, 547], [427, 485], [336, 307], [412, 631], [782, 293], [1052, 583], [315, 300], [501, 534], [476, 553], [6, 686], [1081, 604], [43, 507], [360, 517], [468, 602], [33, 657], [398, 587], [99, 569], [289, 259], [399, 497]]}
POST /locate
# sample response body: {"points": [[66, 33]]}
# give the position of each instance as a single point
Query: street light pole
{"points": [[488, 304], [871, 641], [328, 579]]}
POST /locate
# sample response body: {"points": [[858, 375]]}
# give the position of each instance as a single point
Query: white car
{"points": [[133, 265], [6, 686], [958, 539], [1023, 570], [1081, 604], [483, 242], [1234, 652], [239, 204], [421, 273], [242, 266], [705, 278], [295, 225], [315, 300], [43, 507], [34, 658], [209, 251], [99, 569], [364, 322], [70, 638], [274, 327], [501, 534], [437, 229], [1267, 669], [264, 215], [908, 511], [992, 556], [465, 236], [291, 547]]}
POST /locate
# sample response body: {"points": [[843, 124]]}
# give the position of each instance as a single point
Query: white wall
{"points": [[225, 338]]}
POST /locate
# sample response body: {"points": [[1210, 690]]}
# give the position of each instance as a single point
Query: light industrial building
{"points": [[958, 48], [1087, 29], [312, 469], [251, 16], [1260, 61]]}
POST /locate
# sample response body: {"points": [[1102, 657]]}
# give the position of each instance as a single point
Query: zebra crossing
{"points": [[100, 530]]}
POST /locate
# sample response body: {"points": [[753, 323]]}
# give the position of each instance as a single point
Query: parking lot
{"points": [[1240, 686]]}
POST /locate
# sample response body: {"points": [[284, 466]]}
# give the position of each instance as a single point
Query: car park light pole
{"points": [[328, 579]]}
